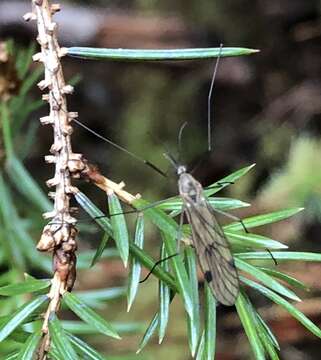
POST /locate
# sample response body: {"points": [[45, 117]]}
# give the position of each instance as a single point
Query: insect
{"points": [[212, 247]]}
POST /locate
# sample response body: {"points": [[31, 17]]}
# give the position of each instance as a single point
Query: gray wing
{"points": [[213, 253]]}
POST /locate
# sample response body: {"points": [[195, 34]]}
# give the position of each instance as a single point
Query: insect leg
{"points": [[245, 229], [156, 264], [179, 236], [134, 211], [180, 229], [273, 258], [233, 217]]}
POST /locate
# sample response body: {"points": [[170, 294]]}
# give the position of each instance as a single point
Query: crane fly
{"points": [[211, 245]]}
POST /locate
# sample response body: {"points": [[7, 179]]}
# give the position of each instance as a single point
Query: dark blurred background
{"points": [[267, 110]]}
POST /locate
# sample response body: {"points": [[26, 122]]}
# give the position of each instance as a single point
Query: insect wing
{"points": [[213, 252]]}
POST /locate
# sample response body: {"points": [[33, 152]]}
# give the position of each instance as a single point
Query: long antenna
{"points": [[179, 140], [138, 158], [209, 98]]}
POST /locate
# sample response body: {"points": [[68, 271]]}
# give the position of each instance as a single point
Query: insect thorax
{"points": [[189, 188]]}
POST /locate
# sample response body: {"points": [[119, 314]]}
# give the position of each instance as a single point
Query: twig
{"points": [[91, 173], [59, 235]]}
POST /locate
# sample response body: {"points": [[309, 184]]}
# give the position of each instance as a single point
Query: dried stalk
{"points": [[91, 173], [59, 235]]}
